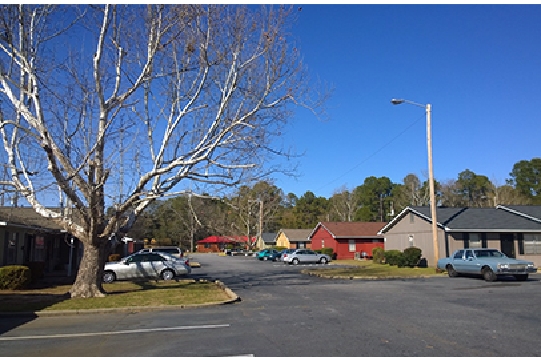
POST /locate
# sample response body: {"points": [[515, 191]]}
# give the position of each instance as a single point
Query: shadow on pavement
{"points": [[19, 307]]}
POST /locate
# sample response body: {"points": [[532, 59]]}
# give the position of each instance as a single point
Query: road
{"points": [[283, 312]]}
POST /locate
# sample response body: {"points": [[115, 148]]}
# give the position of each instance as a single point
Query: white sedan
{"points": [[305, 256], [146, 265]]}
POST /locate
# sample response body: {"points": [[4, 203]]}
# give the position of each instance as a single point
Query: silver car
{"points": [[146, 265], [305, 256]]}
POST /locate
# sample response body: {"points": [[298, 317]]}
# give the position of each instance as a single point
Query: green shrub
{"points": [[392, 256], [15, 277], [378, 254], [412, 256], [327, 251], [114, 257], [317, 251], [401, 260], [37, 270], [280, 248]]}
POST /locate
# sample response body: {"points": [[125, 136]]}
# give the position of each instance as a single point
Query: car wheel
{"points": [[109, 277], [521, 277], [295, 261], [489, 275], [451, 272], [323, 260], [168, 274]]}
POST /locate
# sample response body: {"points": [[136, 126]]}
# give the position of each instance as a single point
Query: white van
{"points": [[174, 251]]}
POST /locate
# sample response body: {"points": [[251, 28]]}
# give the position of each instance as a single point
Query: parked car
{"points": [[146, 265], [268, 254], [486, 262], [285, 252], [305, 256], [174, 251]]}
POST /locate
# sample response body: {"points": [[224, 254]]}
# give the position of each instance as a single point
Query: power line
{"points": [[374, 153]]}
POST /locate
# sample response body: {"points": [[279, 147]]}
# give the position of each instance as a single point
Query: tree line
{"points": [[264, 207]]}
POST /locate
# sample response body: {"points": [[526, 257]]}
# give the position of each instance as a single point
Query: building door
{"points": [[507, 244]]}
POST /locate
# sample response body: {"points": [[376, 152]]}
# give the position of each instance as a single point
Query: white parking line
{"points": [[91, 334]]}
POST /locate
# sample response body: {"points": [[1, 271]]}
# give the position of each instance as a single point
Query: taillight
{"points": [[285, 255]]}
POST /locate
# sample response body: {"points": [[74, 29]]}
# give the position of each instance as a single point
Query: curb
{"points": [[132, 309], [374, 278]]}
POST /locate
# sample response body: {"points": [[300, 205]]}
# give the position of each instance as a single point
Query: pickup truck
{"points": [[487, 263]]}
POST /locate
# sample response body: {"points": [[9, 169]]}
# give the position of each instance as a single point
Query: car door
{"points": [[155, 265], [470, 262], [311, 256], [300, 255], [133, 266], [458, 261]]}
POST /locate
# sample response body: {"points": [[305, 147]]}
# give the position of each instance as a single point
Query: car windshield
{"points": [[491, 253]]}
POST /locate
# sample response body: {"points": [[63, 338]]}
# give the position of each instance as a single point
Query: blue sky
{"points": [[478, 66]]}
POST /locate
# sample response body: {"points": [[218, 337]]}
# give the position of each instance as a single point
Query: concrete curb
{"points": [[132, 309], [319, 275]]}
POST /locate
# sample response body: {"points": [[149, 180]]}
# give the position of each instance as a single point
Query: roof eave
{"points": [[491, 230]]}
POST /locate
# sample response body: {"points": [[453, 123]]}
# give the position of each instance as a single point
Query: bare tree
{"points": [[184, 92], [343, 205]]}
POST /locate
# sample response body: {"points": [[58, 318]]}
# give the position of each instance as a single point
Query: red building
{"points": [[216, 244], [348, 238]]}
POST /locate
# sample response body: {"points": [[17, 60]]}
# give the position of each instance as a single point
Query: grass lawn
{"points": [[120, 294], [366, 269]]}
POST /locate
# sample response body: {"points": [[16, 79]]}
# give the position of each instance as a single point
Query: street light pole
{"points": [[433, 203]]}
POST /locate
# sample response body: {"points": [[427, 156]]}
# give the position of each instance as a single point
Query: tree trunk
{"points": [[88, 282]]}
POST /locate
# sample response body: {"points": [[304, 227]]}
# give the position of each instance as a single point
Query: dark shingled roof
{"points": [[532, 211], [456, 219], [26, 216], [269, 237]]}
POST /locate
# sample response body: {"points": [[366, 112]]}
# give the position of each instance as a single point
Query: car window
{"points": [[166, 250], [155, 257], [469, 254], [137, 258], [458, 254], [488, 253]]}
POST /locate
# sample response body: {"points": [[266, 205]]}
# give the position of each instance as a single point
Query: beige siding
{"points": [[282, 240], [398, 237], [456, 241]]}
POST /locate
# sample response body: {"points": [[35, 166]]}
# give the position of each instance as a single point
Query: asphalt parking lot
{"points": [[284, 312]]}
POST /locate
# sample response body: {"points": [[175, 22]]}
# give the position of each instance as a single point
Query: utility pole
{"points": [[260, 219]]}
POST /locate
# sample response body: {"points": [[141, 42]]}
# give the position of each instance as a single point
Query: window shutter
{"points": [[520, 238], [484, 240]]}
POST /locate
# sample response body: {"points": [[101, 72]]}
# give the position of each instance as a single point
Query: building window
{"points": [[323, 243], [411, 217], [207, 245], [352, 245], [12, 248], [39, 249], [410, 240], [532, 243], [301, 245], [474, 240]]}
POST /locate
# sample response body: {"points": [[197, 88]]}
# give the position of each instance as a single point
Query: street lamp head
{"points": [[397, 101]]}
